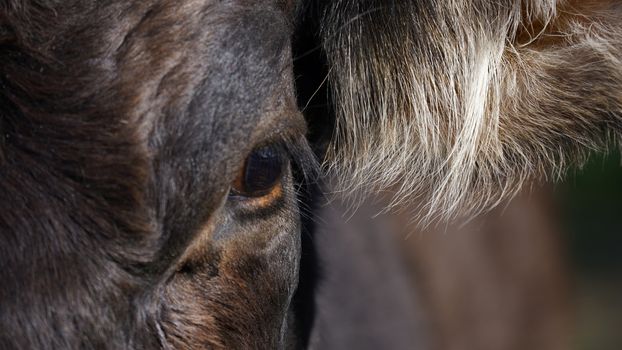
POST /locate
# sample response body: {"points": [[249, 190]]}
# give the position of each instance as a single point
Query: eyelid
{"points": [[293, 127], [287, 135]]}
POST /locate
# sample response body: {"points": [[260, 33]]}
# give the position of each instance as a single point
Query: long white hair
{"points": [[457, 103]]}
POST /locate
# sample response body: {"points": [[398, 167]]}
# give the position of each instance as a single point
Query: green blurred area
{"points": [[591, 208], [591, 201]]}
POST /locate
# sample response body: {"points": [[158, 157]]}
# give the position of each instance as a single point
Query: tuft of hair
{"points": [[457, 104]]}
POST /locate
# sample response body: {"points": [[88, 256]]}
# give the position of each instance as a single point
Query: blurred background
{"points": [[542, 272], [590, 203]]}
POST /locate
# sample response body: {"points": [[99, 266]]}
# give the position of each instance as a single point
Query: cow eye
{"points": [[261, 173]]}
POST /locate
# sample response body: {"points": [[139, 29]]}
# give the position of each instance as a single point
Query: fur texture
{"points": [[123, 125], [458, 104]]}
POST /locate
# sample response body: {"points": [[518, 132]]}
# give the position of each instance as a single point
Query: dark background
{"points": [[590, 201]]}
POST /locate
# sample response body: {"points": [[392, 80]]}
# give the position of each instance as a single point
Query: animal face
{"points": [[151, 151], [147, 183]]}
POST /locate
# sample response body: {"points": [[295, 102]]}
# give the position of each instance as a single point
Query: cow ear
{"points": [[457, 104]]}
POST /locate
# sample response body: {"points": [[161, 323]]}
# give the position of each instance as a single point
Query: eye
{"points": [[261, 173]]}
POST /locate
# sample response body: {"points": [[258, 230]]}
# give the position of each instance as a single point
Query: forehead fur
{"points": [[458, 103]]}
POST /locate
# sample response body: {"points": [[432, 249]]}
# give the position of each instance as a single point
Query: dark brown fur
{"points": [[123, 124]]}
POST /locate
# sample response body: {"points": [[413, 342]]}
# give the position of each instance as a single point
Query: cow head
{"points": [[147, 186], [151, 151]]}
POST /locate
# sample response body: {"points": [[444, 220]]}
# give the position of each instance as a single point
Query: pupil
{"points": [[263, 169]]}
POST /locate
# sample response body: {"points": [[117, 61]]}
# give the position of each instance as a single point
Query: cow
{"points": [[159, 182]]}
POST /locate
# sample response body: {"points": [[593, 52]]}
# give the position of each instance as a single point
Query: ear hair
{"points": [[458, 103]]}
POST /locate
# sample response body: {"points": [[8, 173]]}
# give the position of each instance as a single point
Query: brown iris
{"points": [[261, 173]]}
